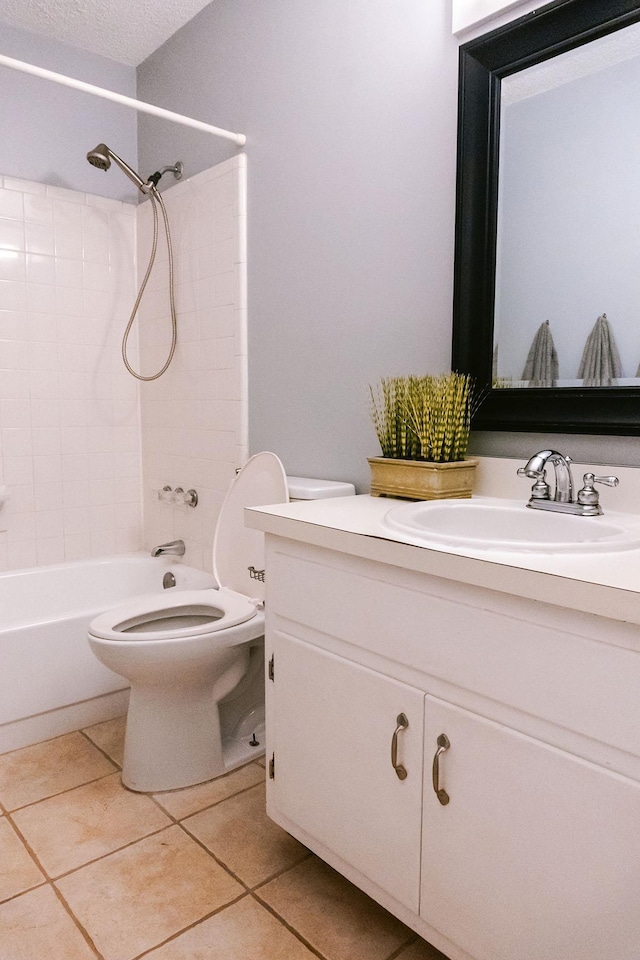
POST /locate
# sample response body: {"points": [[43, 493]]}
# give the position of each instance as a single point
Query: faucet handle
{"points": [[588, 495], [608, 481]]}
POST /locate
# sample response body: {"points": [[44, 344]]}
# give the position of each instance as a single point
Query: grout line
{"points": [[248, 890], [402, 948], [125, 846], [220, 862], [216, 803], [274, 876], [30, 851], [26, 746], [77, 923], [49, 883], [288, 926], [76, 786], [209, 806], [207, 916], [14, 896], [98, 747]]}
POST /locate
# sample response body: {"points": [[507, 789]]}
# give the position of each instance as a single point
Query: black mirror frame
{"points": [[559, 27]]}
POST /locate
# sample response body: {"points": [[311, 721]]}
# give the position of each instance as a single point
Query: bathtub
{"points": [[50, 682]]}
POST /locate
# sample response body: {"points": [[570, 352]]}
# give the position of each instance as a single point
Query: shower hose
{"points": [[155, 198]]}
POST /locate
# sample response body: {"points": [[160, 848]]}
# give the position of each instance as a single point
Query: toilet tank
{"points": [[304, 488]]}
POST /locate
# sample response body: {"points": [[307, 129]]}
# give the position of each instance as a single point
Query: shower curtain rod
{"points": [[140, 105]]}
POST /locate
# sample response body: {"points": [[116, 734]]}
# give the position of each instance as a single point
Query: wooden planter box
{"points": [[421, 479]]}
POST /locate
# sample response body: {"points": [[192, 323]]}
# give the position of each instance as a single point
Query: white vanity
{"points": [[505, 687]]}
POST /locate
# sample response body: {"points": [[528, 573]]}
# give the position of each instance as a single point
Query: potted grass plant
{"points": [[423, 426]]}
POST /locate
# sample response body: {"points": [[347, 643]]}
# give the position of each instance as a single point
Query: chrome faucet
{"points": [[586, 503], [175, 547], [535, 470]]}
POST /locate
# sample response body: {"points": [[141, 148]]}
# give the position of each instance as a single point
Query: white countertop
{"points": [[607, 584]]}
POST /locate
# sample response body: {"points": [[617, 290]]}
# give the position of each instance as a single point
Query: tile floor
{"points": [[90, 870]]}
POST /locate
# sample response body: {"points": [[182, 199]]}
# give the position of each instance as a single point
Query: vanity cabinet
{"points": [[532, 849], [333, 725], [536, 855]]}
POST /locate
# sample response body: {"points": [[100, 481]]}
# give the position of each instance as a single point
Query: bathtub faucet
{"points": [[174, 547]]}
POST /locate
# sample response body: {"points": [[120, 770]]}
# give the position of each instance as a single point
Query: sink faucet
{"points": [[535, 470], [175, 547], [586, 503]]}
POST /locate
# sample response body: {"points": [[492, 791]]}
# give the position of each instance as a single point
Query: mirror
{"points": [[547, 276]]}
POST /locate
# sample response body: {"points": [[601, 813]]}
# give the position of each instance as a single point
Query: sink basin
{"points": [[485, 523]]}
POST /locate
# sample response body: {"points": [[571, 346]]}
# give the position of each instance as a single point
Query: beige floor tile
{"points": [[420, 950], [336, 918], [134, 899], [243, 931], [36, 926], [182, 803], [18, 872], [77, 826], [239, 832], [109, 736], [44, 769]]}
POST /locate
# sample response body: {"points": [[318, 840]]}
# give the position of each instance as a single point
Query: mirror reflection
{"points": [[567, 298]]}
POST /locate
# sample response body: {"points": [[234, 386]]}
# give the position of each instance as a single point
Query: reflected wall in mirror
{"points": [[568, 239], [547, 281]]}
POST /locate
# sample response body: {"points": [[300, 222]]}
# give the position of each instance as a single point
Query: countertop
{"points": [[605, 584]]}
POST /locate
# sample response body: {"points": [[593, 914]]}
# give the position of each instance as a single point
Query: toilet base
{"points": [[179, 737]]}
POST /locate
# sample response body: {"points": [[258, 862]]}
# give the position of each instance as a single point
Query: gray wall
{"points": [[350, 112], [47, 129]]}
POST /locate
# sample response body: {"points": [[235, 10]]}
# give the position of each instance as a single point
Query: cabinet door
{"points": [[332, 728], [537, 854]]}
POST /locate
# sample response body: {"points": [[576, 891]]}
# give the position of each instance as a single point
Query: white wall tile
{"points": [[60, 452], [72, 450], [24, 186], [13, 295], [13, 265], [11, 325], [39, 238], [12, 234], [191, 436], [11, 204]]}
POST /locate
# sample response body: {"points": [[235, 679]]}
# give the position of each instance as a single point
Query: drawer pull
{"points": [[402, 724], [443, 744]]}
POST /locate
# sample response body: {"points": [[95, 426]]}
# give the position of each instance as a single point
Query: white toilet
{"points": [[195, 658]]}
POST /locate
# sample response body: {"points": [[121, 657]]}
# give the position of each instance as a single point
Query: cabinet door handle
{"points": [[402, 724], [443, 744]]}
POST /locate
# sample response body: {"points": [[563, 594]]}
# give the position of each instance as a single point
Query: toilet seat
{"points": [[238, 565], [184, 614]]}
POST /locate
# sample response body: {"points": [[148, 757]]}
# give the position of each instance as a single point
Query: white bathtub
{"points": [[50, 682]]}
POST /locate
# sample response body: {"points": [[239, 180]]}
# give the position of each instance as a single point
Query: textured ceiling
{"points": [[123, 30]]}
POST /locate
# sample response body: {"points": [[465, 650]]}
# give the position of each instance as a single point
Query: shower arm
{"points": [[176, 169]]}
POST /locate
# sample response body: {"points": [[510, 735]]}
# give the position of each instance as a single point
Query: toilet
{"points": [[195, 658]]}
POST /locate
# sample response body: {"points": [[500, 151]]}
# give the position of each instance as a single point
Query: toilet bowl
{"points": [[195, 658]]}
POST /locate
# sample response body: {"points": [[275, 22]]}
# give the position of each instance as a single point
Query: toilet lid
{"points": [[238, 551]]}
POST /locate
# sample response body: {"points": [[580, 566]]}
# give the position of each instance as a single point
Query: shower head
{"points": [[101, 157]]}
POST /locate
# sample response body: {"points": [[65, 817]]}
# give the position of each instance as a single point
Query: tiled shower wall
{"points": [[69, 415], [71, 443], [194, 418]]}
